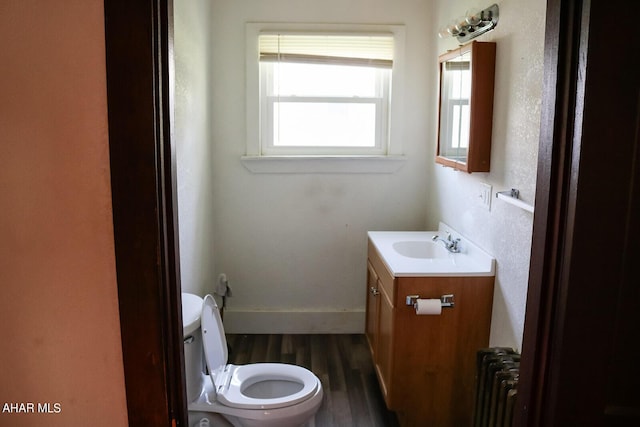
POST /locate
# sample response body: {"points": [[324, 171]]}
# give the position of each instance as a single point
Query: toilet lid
{"points": [[213, 339]]}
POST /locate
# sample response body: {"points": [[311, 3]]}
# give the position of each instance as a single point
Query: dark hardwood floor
{"points": [[342, 362]]}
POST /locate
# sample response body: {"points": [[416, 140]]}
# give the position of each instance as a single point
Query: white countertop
{"points": [[470, 261]]}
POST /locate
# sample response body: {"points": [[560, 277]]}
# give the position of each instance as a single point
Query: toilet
{"points": [[258, 394]]}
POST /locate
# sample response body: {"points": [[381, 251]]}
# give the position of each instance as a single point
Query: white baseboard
{"points": [[294, 322]]}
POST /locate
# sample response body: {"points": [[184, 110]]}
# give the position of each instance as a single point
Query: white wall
{"points": [[194, 148], [294, 245], [505, 231]]}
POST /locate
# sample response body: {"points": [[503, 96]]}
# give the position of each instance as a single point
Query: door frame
{"points": [[139, 70], [139, 62], [582, 303], [553, 200]]}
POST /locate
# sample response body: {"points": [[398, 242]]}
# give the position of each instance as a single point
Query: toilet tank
{"points": [[193, 356]]}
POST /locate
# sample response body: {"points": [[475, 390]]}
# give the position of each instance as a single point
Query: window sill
{"points": [[323, 164]]}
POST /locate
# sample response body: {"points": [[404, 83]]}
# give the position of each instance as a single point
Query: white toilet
{"points": [[259, 394]]}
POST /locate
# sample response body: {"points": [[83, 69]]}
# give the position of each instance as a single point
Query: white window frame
{"points": [[385, 158], [268, 101]]}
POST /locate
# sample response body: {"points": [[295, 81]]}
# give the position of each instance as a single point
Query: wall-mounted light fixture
{"points": [[473, 24]]}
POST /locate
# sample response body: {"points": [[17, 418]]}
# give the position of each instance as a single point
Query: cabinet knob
{"points": [[374, 291]]}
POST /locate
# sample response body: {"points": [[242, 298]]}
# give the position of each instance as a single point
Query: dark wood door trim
{"points": [[553, 201], [578, 364], [139, 94]]}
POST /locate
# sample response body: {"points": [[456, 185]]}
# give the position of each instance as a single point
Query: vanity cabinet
{"points": [[426, 364]]}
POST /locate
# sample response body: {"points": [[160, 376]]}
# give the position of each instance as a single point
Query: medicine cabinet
{"points": [[465, 113]]}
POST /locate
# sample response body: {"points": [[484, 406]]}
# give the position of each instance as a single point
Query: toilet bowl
{"points": [[259, 394]]}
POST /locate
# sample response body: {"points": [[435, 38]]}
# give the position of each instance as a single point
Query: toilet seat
{"points": [[232, 383], [231, 391]]}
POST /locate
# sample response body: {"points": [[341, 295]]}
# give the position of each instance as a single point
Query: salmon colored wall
{"points": [[59, 325]]}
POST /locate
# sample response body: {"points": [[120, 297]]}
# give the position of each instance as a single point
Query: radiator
{"points": [[497, 372]]}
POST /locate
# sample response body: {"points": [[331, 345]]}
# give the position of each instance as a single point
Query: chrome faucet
{"points": [[449, 243]]}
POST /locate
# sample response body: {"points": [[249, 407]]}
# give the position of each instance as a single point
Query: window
{"points": [[324, 94], [323, 91]]}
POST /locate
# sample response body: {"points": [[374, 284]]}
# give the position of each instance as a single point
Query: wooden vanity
{"points": [[426, 364]]}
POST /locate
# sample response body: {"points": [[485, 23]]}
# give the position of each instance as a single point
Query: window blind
{"points": [[356, 50], [457, 65]]}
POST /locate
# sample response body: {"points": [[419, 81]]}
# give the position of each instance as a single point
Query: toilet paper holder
{"points": [[445, 300]]}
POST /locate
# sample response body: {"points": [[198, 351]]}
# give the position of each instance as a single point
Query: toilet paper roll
{"points": [[428, 306]]}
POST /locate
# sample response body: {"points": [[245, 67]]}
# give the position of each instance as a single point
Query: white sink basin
{"points": [[413, 253], [420, 249]]}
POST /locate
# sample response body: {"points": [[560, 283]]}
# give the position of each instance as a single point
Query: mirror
{"points": [[466, 107]]}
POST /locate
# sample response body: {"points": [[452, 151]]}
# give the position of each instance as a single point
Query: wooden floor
{"points": [[342, 362]]}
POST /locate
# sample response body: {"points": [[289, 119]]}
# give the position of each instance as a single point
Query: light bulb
{"points": [[452, 28], [443, 32], [473, 16], [461, 24]]}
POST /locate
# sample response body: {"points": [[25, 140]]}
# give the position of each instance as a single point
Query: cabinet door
{"points": [[373, 302], [384, 353], [466, 107]]}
